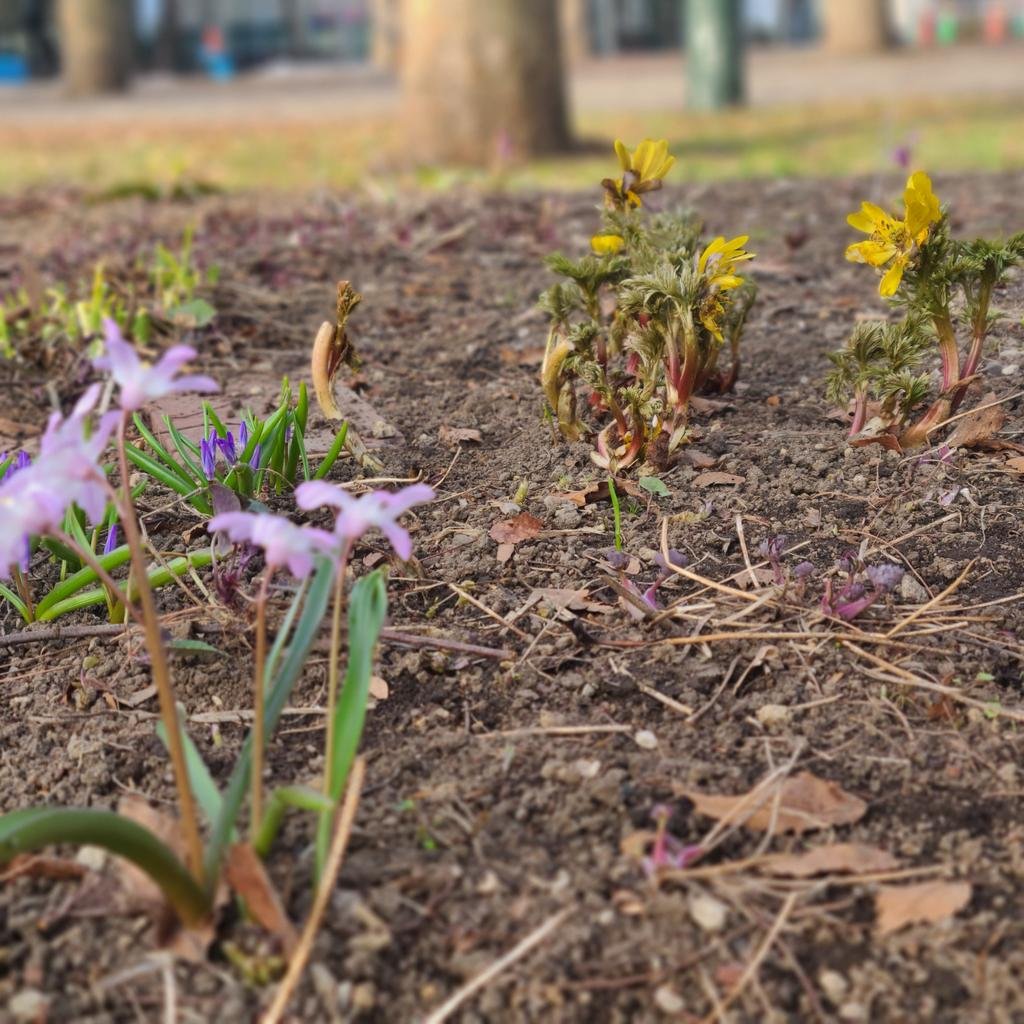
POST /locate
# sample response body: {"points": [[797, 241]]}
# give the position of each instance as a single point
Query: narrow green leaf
{"points": [[12, 599], [282, 681], [301, 798], [302, 407], [205, 789], [85, 577], [222, 431], [187, 644], [337, 445], [33, 828], [161, 452], [368, 605]]}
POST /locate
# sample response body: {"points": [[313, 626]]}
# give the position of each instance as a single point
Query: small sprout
{"points": [[854, 598], [617, 559], [803, 570], [772, 549]]}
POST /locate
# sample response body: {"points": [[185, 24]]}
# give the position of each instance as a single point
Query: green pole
{"points": [[714, 53]]}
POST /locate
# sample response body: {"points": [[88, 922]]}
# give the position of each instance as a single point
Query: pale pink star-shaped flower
{"points": [[142, 382], [378, 509], [284, 544]]}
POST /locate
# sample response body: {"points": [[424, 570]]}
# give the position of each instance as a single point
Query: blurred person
{"points": [[35, 23]]}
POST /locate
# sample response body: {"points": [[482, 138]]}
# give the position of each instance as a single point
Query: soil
{"points": [[482, 818]]}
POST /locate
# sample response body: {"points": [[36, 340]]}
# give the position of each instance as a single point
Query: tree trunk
{"points": [[714, 54], [854, 26], [384, 34], [482, 79], [575, 28], [96, 45]]}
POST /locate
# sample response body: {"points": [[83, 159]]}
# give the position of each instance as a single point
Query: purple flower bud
{"points": [[618, 560], [886, 576], [19, 462], [243, 435], [651, 596], [803, 570], [111, 541], [208, 457], [675, 557], [254, 459], [227, 447], [772, 547]]}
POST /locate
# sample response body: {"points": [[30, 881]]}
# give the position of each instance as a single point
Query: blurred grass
{"points": [[365, 153]]}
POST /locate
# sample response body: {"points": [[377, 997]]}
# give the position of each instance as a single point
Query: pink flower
{"points": [[283, 543], [34, 500], [141, 382], [379, 509]]}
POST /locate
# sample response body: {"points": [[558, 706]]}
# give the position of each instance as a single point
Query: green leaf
{"points": [[302, 798], [171, 480], [33, 828], [368, 605], [302, 407], [83, 578], [12, 598], [199, 777], [210, 412], [195, 313], [162, 453], [187, 644], [281, 682], [654, 485], [337, 445]]}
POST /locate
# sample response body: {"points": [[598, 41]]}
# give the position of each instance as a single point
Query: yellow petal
{"points": [[861, 221], [893, 276], [723, 282], [922, 204], [623, 154], [871, 252], [605, 245], [642, 159], [710, 250]]}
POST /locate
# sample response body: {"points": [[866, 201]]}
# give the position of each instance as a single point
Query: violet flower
{"points": [[772, 549], [227, 447], [284, 544], [142, 382], [855, 598], [254, 459], [243, 435], [111, 542], [378, 509], [208, 458], [19, 462]]}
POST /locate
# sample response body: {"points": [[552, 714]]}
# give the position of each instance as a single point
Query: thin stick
{"points": [[440, 643], [297, 964], [751, 969], [669, 702], [30, 636], [908, 678], [913, 616], [555, 730], [517, 952], [977, 408], [684, 641], [696, 577], [746, 554], [490, 613]]}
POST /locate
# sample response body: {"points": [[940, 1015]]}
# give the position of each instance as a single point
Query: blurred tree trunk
{"points": [[575, 30], [96, 45], [714, 54], [384, 34], [482, 79], [854, 26]]}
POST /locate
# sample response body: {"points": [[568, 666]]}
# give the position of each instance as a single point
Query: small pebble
{"points": [[708, 913], [28, 1004], [833, 984], [911, 590], [668, 1000], [773, 714], [646, 739]]}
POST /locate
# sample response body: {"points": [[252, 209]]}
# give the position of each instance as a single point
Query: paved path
{"points": [[647, 82]]}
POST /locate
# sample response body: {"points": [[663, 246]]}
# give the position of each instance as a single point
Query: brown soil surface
{"points": [[481, 819]]}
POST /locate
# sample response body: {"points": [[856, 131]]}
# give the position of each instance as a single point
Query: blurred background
{"points": [[384, 94]]}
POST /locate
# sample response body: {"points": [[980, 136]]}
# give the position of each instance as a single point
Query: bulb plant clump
{"points": [[944, 288], [638, 325]]}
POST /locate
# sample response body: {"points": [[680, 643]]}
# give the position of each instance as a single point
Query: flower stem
{"points": [[948, 351], [860, 412], [258, 700], [158, 660], [25, 593], [979, 330], [333, 663]]}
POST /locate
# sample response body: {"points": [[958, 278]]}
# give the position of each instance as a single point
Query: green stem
{"points": [[335, 657], [258, 701], [158, 660]]}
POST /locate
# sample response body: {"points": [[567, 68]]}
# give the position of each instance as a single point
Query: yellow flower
{"points": [[642, 171], [607, 245], [895, 241], [718, 263]]}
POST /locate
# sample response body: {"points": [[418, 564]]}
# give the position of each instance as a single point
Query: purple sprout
{"points": [[854, 598], [668, 851], [254, 459], [772, 549], [617, 559]]}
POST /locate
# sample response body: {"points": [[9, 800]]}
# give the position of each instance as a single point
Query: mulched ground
{"points": [[483, 815]]}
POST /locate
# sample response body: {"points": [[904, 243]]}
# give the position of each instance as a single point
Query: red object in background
{"points": [[213, 39], [996, 25], [926, 28]]}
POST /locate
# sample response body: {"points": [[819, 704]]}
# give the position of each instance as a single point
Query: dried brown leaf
{"points": [[519, 528], [897, 906], [459, 435], [835, 858], [979, 426], [717, 478], [806, 803], [244, 872], [1016, 464]]}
